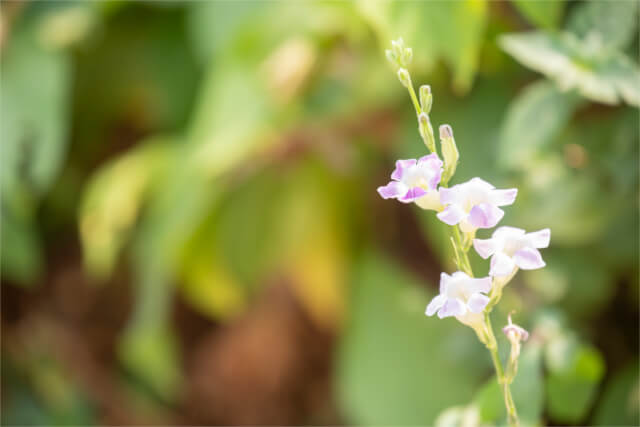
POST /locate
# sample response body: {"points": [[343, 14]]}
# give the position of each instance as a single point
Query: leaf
{"points": [[619, 403], [544, 14], [395, 366], [573, 380], [613, 23], [534, 118], [601, 76]]}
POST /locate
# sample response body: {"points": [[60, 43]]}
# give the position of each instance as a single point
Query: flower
{"points": [[474, 204], [415, 181], [461, 296], [511, 248], [515, 332]]}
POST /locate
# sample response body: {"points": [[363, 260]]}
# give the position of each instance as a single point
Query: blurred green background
{"points": [[191, 232]]}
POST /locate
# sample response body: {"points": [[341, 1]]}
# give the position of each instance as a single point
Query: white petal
{"points": [[477, 302], [485, 247], [539, 239], [436, 303], [501, 265], [528, 259]]}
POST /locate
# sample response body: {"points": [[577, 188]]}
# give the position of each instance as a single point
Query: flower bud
{"points": [[407, 56], [425, 98], [391, 57], [403, 76], [426, 131], [514, 332], [449, 152]]}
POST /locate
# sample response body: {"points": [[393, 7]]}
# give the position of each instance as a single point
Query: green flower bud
{"points": [[426, 131], [391, 57], [425, 98], [449, 152], [403, 76]]}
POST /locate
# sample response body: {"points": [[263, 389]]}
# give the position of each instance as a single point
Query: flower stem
{"points": [[503, 381]]}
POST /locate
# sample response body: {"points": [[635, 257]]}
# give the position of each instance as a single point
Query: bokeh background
{"points": [[191, 232]]}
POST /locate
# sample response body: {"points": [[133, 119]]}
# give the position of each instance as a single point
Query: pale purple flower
{"points": [[415, 181], [460, 296], [474, 204], [511, 248], [515, 332]]}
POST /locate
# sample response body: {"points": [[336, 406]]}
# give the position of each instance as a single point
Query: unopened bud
{"points": [[515, 332], [403, 76], [407, 57], [449, 152], [391, 57], [426, 131], [425, 98]]}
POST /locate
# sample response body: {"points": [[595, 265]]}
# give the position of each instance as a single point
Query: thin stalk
{"points": [[512, 414], [414, 98]]}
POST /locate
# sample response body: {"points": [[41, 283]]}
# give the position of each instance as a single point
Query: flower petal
{"points": [[477, 302], [444, 282], [450, 195], [539, 239], [485, 215], [503, 197], [401, 167], [452, 214], [528, 259], [508, 233], [452, 307], [413, 194], [430, 201], [482, 284], [436, 303], [480, 183], [501, 265], [485, 247], [393, 190]]}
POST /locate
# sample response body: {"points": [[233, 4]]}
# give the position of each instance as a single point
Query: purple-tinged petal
{"points": [[436, 303], [401, 166], [413, 194], [444, 282], [485, 215], [528, 259], [480, 183], [452, 214], [430, 201], [482, 284], [484, 247], [517, 331], [452, 307], [392, 190], [432, 160], [477, 302], [503, 197], [435, 179], [539, 239], [501, 265], [449, 195], [507, 233]]}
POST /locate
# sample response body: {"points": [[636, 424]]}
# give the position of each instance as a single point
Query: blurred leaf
{"points": [[395, 366], [23, 263], [573, 379], [534, 118], [613, 23], [459, 416], [544, 14], [601, 76], [452, 31], [113, 199], [620, 402]]}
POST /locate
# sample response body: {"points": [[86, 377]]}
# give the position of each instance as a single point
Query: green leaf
{"points": [[573, 380], [619, 404], [613, 23], [544, 14], [534, 118], [396, 366], [601, 76]]}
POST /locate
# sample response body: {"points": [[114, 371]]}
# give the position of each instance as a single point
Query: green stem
{"points": [[512, 414], [466, 265], [414, 98]]}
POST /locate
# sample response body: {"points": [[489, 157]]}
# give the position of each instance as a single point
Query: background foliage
{"points": [[191, 234]]}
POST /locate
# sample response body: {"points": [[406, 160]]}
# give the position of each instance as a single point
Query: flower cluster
{"points": [[465, 207]]}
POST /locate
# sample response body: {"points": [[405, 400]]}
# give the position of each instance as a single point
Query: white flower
{"points": [[511, 248], [461, 296], [474, 204]]}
